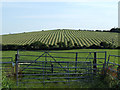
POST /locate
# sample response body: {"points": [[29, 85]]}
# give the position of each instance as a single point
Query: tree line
{"points": [[37, 45], [117, 30]]}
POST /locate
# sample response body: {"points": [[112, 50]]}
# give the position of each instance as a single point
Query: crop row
{"points": [[53, 37]]}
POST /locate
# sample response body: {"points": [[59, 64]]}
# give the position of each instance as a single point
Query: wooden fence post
{"points": [[16, 66], [94, 63]]}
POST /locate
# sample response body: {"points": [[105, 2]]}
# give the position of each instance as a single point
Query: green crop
{"points": [[51, 37]]}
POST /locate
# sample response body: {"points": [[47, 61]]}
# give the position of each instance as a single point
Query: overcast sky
{"points": [[30, 16]]}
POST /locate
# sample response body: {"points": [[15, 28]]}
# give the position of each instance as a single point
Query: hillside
{"points": [[54, 36]]}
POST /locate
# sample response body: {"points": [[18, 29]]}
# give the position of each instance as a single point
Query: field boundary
{"points": [[113, 68], [47, 68]]}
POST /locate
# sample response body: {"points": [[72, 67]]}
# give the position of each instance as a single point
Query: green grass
{"points": [[9, 82], [51, 37], [12, 53]]}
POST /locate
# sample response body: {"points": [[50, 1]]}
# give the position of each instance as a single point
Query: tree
{"points": [[94, 47], [84, 47], [115, 30], [38, 45], [98, 30], [61, 45], [50, 46], [26, 47], [104, 44], [75, 45], [107, 45], [69, 44]]}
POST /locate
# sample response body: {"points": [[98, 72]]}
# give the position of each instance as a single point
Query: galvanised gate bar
{"points": [[53, 67], [6, 67], [113, 66]]}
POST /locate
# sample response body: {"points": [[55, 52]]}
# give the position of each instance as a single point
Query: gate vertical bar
{"points": [[68, 67], [105, 57], [76, 62], [43, 74], [45, 61], [108, 60], [104, 65], [16, 67], [95, 63], [12, 66]]}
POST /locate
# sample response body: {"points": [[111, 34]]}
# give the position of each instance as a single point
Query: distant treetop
{"points": [[115, 30]]}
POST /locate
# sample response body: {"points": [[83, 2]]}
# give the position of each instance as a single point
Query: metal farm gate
{"points": [[113, 66], [6, 67], [57, 67]]}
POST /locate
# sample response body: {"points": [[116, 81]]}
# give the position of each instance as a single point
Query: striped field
{"points": [[52, 37]]}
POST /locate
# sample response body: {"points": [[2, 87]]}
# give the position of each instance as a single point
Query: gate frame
{"points": [[118, 68], [94, 60]]}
